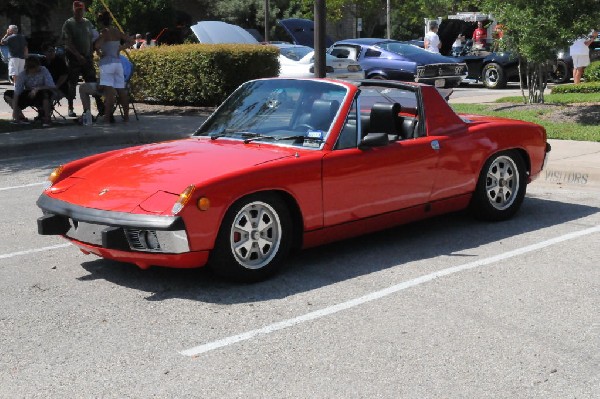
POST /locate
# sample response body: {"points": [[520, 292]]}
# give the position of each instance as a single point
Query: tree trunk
{"points": [[537, 78]]}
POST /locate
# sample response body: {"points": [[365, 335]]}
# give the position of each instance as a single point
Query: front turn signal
{"points": [[53, 178], [183, 199]]}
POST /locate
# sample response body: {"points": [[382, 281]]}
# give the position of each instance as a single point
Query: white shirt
{"points": [[579, 47], [434, 41]]}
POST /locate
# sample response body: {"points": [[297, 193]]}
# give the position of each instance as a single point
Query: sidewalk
{"points": [[149, 129]]}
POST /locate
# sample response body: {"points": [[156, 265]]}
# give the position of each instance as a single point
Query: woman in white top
{"points": [[580, 52], [432, 40]]}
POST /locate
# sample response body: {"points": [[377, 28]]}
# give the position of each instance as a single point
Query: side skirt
{"points": [[381, 222]]}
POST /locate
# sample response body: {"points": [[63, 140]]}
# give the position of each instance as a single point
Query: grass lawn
{"points": [[581, 129]]}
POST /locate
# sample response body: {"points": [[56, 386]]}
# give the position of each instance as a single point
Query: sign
{"points": [[359, 24]]}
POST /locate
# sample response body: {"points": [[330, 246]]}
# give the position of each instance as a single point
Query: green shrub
{"points": [[199, 74], [587, 87], [592, 72]]}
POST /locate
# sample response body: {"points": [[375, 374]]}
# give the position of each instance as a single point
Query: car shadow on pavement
{"points": [[451, 235]]}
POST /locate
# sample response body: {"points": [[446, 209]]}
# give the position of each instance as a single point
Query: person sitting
{"points": [[140, 42], [458, 45], [58, 69], [34, 87]]}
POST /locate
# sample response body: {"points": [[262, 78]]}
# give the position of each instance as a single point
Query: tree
{"points": [[536, 29], [138, 16]]}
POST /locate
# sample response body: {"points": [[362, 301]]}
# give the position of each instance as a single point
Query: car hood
{"points": [[302, 31], [152, 176], [216, 32]]}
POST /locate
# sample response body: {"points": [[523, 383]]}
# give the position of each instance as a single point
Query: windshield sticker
{"points": [[315, 134]]}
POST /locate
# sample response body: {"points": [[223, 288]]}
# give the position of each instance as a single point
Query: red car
{"points": [[292, 163]]}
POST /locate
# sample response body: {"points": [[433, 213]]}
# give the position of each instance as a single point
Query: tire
{"points": [[562, 73], [377, 77], [253, 240], [493, 76], [500, 188]]}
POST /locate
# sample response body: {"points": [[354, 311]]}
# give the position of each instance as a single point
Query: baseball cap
{"points": [[77, 5]]}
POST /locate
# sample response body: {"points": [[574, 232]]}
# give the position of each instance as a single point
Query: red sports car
{"points": [[292, 163]]}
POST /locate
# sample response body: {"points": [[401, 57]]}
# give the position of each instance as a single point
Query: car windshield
{"points": [[295, 53], [402, 48], [286, 111]]}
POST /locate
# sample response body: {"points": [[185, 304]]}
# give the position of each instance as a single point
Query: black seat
{"points": [[384, 119], [322, 114], [407, 128]]}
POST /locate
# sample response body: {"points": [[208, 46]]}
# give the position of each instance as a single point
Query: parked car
{"points": [[493, 68], [292, 163], [394, 60], [298, 62]]}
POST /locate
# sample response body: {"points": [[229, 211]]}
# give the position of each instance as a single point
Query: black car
{"points": [[395, 60], [493, 69]]}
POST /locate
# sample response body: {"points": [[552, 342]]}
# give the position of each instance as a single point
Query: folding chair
{"points": [[8, 98]]}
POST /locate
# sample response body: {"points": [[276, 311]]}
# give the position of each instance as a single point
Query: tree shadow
{"points": [[449, 235]]}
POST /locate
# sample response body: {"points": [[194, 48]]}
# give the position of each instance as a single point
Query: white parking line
{"points": [[32, 251], [210, 346], [22, 186]]}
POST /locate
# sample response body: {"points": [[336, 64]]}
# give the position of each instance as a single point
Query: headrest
{"points": [[384, 118]]}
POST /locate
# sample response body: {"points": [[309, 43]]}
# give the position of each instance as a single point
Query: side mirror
{"points": [[374, 140]]}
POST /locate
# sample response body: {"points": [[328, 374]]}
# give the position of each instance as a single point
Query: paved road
{"points": [[447, 308]]}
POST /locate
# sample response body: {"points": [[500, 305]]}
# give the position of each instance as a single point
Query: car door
{"points": [[363, 183]]}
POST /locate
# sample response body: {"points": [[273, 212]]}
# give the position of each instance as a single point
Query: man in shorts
{"points": [[17, 51]]}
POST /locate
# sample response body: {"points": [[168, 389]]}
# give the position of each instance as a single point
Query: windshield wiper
{"points": [[276, 138]]}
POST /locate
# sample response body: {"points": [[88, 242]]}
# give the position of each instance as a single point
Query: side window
{"points": [[349, 135], [344, 52], [372, 53]]}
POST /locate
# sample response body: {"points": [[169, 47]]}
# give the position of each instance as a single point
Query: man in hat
{"points": [[17, 51], [78, 35]]}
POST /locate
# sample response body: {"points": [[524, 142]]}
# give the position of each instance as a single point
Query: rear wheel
{"points": [[493, 76], [501, 187], [253, 240], [377, 77]]}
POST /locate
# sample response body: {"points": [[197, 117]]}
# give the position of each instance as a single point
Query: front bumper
{"points": [[113, 230]]}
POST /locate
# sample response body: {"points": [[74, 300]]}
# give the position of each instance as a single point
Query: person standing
{"points": [[17, 51], [480, 34], [112, 78], [77, 35], [580, 52], [432, 40]]}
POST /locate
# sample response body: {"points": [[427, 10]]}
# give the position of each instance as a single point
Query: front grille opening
{"points": [[143, 240]]}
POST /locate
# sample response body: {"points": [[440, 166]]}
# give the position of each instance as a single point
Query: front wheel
{"points": [[253, 240], [493, 76], [501, 187], [561, 74]]}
